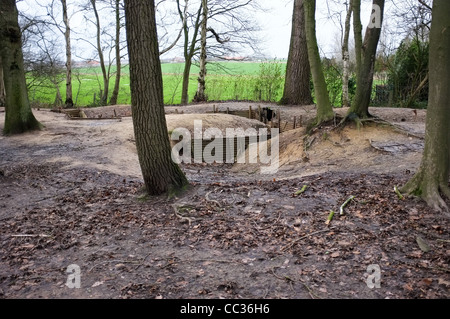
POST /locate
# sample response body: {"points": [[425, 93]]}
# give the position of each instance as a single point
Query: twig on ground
{"points": [[30, 235], [311, 293], [286, 278], [304, 188], [212, 200], [341, 209], [399, 195], [306, 236], [330, 217], [184, 219], [290, 280]]}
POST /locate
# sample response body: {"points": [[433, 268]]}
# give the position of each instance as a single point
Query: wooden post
{"points": [[301, 121], [295, 120], [259, 113], [250, 112], [214, 108]]}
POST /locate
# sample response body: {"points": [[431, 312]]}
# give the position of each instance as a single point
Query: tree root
{"points": [[429, 192], [212, 200], [374, 119], [181, 209]]}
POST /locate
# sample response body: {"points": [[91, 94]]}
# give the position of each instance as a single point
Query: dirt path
{"points": [[72, 194]]}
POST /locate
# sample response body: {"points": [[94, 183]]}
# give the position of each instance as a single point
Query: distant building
{"points": [[177, 60], [234, 58], [85, 64]]}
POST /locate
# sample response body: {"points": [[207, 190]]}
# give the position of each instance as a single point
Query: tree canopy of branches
{"points": [[230, 27]]}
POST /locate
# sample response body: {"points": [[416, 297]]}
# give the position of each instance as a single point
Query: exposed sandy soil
{"points": [[72, 194]]}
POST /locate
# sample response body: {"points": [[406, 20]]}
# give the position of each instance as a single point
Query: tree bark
{"points": [[105, 73], [324, 108], [366, 55], [2, 85], [69, 97], [186, 78], [115, 93], [297, 89], [200, 96], [433, 174], [357, 34], [160, 173], [189, 51], [346, 57], [18, 115]]}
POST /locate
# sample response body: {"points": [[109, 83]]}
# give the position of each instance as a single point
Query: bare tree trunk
{"points": [[69, 98], [324, 108], [346, 57], [58, 99], [18, 118], [189, 50], [200, 96], [357, 33], [297, 89], [2, 85], [185, 83], [115, 93], [160, 173], [104, 97], [433, 174], [366, 53]]}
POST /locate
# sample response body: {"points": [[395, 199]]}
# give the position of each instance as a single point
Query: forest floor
{"points": [[72, 194]]}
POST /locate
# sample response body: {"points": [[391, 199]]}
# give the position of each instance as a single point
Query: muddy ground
{"points": [[73, 194]]}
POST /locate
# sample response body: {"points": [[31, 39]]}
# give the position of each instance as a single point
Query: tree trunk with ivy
{"points": [[18, 115], [297, 89], [324, 108], [432, 178], [160, 173]]}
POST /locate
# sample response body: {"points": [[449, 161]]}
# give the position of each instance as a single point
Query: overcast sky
{"points": [[275, 23]]}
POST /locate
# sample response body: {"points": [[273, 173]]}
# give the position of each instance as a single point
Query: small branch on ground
{"points": [[304, 188], [212, 200], [306, 236], [341, 209], [184, 219]]}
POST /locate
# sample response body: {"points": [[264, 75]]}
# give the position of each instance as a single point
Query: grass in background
{"points": [[224, 81]]}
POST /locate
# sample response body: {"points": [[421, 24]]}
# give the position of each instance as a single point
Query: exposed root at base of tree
{"points": [[181, 210], [353, 117], [431, 194], [313, 127]]}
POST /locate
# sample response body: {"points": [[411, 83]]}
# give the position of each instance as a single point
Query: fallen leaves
{"points": [[252, 226]]}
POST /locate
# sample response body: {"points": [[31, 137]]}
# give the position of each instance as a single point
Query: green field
{"points": [[225, 81]]}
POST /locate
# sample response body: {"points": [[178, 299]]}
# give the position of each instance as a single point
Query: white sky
{"points": [[275, 23], [278, 21]]}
